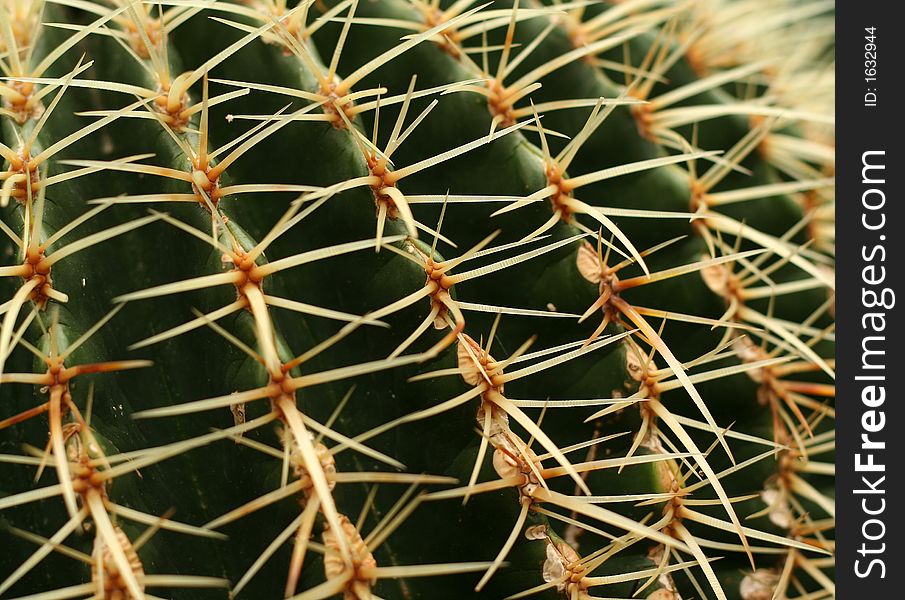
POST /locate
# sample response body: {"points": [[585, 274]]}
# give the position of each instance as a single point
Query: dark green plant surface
{"points": [[417, 299]]}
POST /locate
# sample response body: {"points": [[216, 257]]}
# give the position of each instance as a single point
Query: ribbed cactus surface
{"points": [[417, 299]]}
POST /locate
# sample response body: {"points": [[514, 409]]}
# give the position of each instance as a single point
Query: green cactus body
{"points": [[417, 299]]}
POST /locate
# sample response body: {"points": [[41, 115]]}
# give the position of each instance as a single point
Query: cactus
{"points": [[417, 299]]}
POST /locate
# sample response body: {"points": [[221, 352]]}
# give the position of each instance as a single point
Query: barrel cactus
{"points": [[417, 299]]}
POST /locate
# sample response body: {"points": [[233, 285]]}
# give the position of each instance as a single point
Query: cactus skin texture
{"points": [[417, 299]]}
